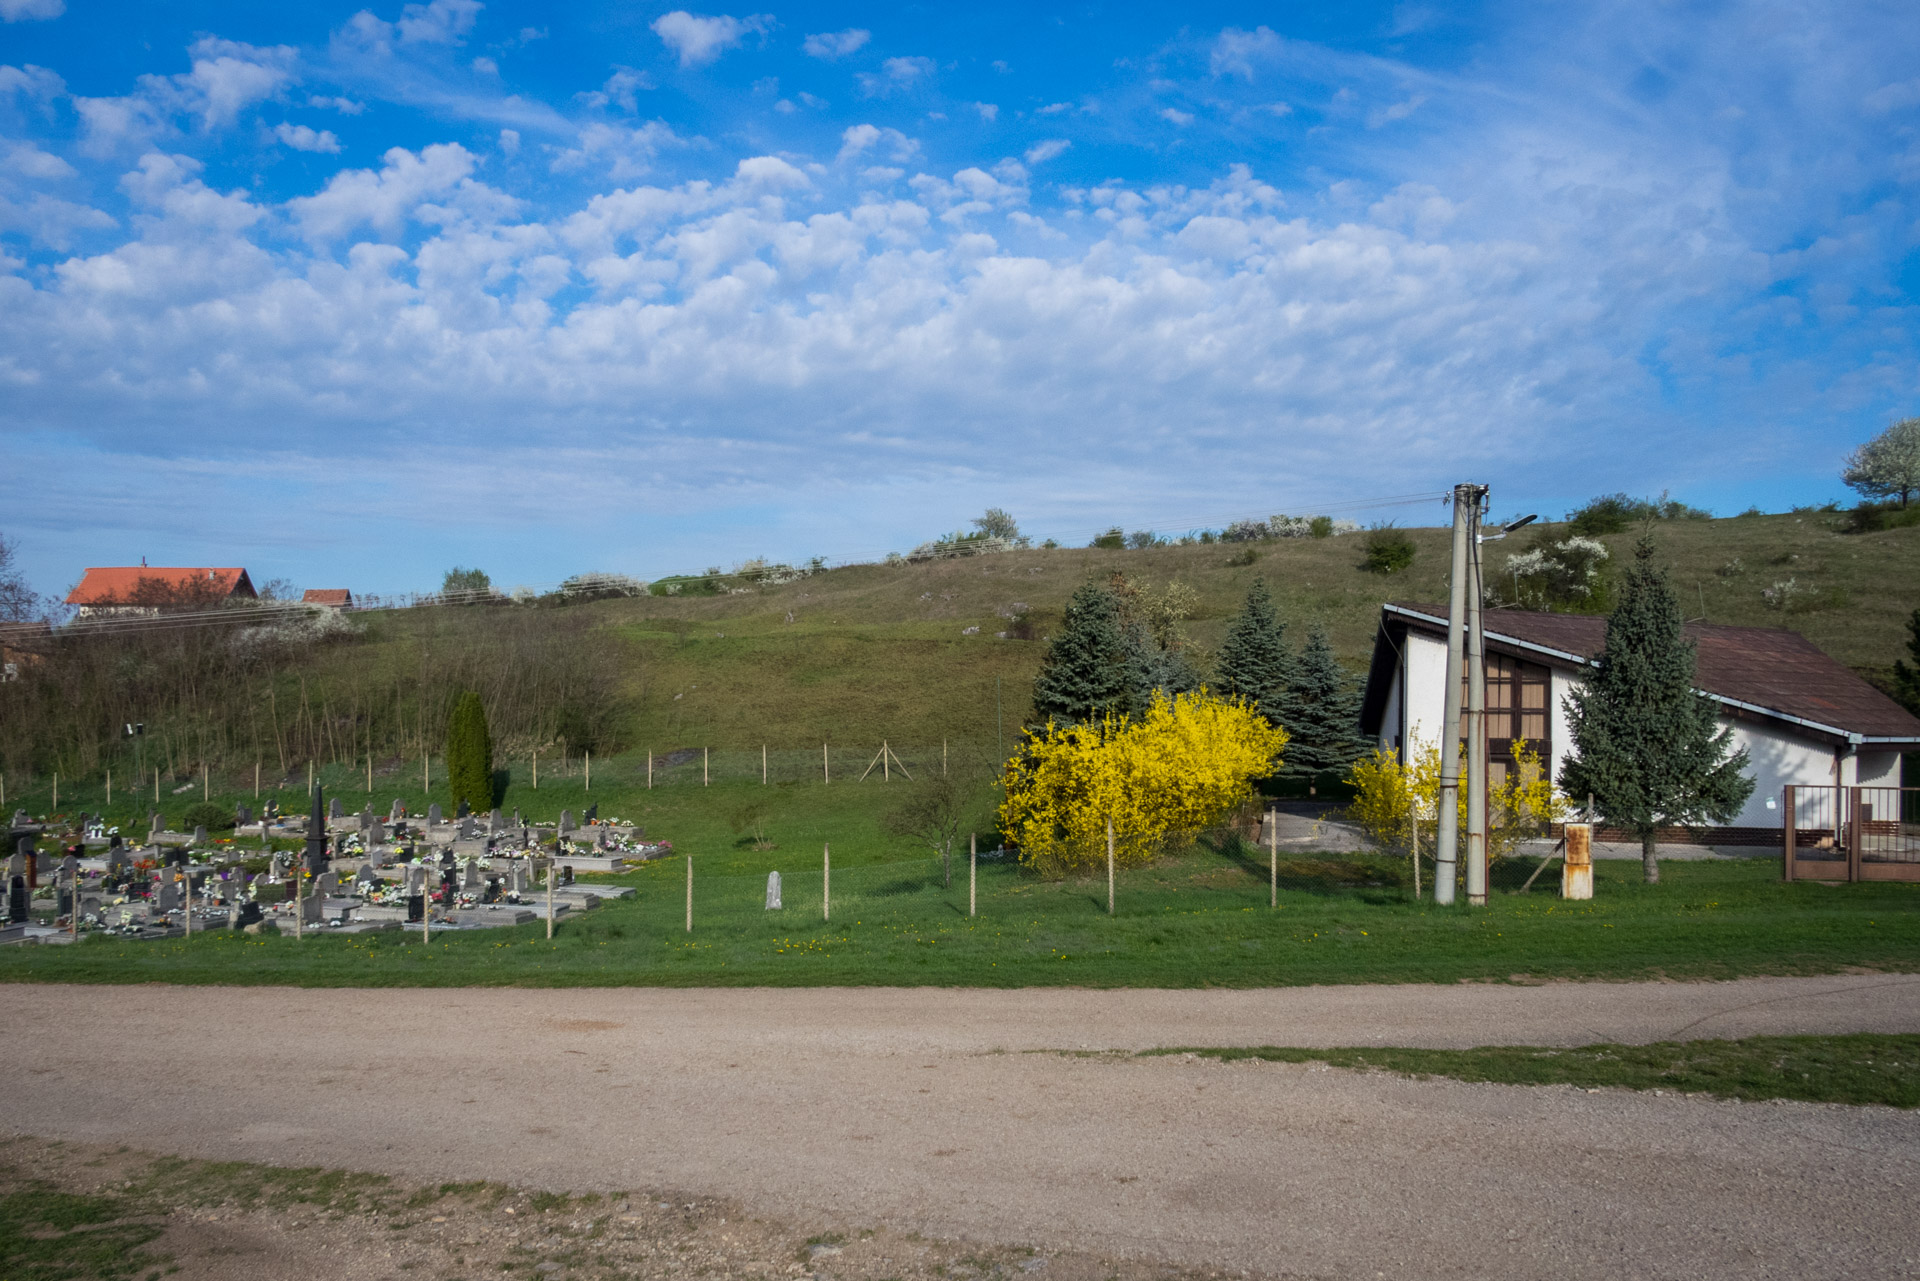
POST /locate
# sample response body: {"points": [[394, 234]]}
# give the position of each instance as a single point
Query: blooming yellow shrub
{"points": [[1388, 793], [1178, 770]]}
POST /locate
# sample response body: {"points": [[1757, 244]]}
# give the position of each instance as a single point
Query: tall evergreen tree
{"points": [[1325, 703], [470, 754], [1088, 668], [1255, 663], [1906, 680], [1651, 751]]}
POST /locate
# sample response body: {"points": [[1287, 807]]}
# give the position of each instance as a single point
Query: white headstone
{"points": [[773, 891]]}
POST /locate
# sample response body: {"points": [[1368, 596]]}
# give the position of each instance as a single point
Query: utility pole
{"points": [[1476, 713], [1445, 871]]}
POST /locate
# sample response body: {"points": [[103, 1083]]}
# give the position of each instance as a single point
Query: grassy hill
{"points": [[878, 651]]}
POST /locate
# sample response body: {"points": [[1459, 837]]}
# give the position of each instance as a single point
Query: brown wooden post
{"points": [[1790, 835], [1576, 868], [973, 872], [1109, 866], [1854, 825]]}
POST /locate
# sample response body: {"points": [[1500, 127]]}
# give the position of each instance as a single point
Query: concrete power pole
{"points": [[1476, 712], [1445, 871]]}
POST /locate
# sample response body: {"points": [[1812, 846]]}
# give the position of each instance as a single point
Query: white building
{"points": [[1804, 718]]}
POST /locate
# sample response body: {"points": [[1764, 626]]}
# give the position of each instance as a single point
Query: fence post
{"points": [[826, 882], [1855, 823], [706, 779], [973, 870], [1273, 859], [689, 893], [1109, 866], [589, 786], [1790, 835], [553, 868], [649, 769], [763, 764], [826, 772]]}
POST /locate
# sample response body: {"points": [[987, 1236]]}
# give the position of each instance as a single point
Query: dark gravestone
{"points": [[19, 898], [333, 806], [242, 816], [593, 812], [249, 914], [463, 811], [466, 827]]}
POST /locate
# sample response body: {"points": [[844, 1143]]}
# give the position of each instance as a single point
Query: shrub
{"points": [[466, 584], [1390, 795], [1113, 540], [1616, 513], [211, 815], [1872, 518], [1245, 556], [1178, 770], [1389, 550], [1570, 574], [470, 754], [1246, 531], [1320, 527]]}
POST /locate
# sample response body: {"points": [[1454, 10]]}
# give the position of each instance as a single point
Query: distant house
{"points": [[1804, 718], [334, 598], [148, 589]]}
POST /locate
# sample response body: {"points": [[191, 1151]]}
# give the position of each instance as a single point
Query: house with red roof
{"points": [[1807, 720], [334, 598], [135, 590]]}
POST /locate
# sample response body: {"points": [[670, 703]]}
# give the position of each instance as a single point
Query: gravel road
{"points": [[926, 1110]]}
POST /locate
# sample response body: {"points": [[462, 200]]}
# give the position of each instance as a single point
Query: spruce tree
{"points": [[1255, 663], [1651, 751], [1088, 668], [1325, 703], [470, 754], [1906, 680]]}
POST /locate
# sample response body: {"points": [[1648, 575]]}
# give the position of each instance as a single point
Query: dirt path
{"points": [[916, 1110]]}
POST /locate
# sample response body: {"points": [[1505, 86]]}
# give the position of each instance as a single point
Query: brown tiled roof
{"points": [[338, 597], [1767, 668], [114, 583]]}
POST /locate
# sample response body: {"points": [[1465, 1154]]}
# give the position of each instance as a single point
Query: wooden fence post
{"points": [[826, 771], [973, 870], [256, 780], [826, 882], [763, 764], [689, 893], [589, 786], [649, 769], [706, 777], [1273, 859], [109, 787], [536, 771], [1790, 836], [206, 785], [1109, 866]]}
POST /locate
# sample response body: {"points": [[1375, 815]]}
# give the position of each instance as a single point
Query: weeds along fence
{"points": [[809, 898], [824, 763]]}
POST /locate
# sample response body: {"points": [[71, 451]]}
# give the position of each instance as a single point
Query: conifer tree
{"points": [[1087, 670], [1906, 680], [470, 754], [1325, 704], [1651, 751], [1255, 663]]}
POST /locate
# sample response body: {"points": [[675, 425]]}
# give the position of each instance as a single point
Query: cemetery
{"points": [[349, 874]]}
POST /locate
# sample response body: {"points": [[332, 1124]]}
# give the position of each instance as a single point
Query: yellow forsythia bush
{"points": [[1386, 793], [1176, 771]]}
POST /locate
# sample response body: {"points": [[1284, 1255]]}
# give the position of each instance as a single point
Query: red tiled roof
{"points": [[106, 586], [339, 597], [1765, 667]]}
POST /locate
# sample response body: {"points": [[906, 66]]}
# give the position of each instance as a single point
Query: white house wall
{"points": [[1425, 692]]}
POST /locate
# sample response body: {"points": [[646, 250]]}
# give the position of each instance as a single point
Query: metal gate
{"points": [[1852, 834]]}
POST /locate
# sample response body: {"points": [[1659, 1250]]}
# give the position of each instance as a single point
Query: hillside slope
{"points": [[878, 651]]}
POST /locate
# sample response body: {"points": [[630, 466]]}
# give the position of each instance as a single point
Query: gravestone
{"points": [[277, 865], [364, 876], [433, 814], [20, 818], [19, 898], [377, 833], [593, 813], [396, 811], [199, 836], [466, 827], [119, 858], [326, 885], [155, 826], [773, 891], [566, 822], [166, 895], [333, 808], [239, 889], [494, 823], [366, 819], [471, 878], [463, 811], [517, 820], [517, 877], [242, 815]]}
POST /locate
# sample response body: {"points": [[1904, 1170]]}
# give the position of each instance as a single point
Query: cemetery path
{"points": [[920, 1110]]}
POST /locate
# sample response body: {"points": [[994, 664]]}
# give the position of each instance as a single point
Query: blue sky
{"points": [[349, 296]]}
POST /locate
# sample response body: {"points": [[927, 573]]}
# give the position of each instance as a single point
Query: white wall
{"points": [[1424, 663], [1775, 759]]}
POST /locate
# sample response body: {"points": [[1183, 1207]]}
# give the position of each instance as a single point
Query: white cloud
{"points": [[1053, 109], [27, 160], [621, 152], [226, 78], [302, 138], [345, 106], [30, 10], [438, 22], [989, 112], [1175, 116], [510, 142], [835, 44], [622, 88], [1237, 53], [895, 73], [1893, 97], [858, 139], [700, 40], [1396, 111], [387, 199], [486, 66], [32, 82], [1041, 152]]}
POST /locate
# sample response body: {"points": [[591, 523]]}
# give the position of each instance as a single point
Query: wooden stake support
{"points": [[826, 882], [1109, 867], [973, 870], [1273, 858], [689, 893]]}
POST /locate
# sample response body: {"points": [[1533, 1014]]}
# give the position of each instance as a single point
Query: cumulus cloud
{"points": [[858, 139], [384, 199], [303, 138], [439, 22], [31, 10], [989, 111], [699, 40], [829, 45], [622, 89], [226, 78], [27, 160], [1238, 53], [1175, 116], [345, 106], [1041, 152], [621, 152], [895, 74]]}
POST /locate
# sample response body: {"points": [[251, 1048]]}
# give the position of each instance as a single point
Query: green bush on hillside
{"points": [[1389, 550], [208, 814]]}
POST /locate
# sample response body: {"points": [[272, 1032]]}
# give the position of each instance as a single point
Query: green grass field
{"points": [[1194, 920], [1860, 1069]]}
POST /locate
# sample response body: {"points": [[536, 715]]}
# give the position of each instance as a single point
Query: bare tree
{"points": [[19, 603]]}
